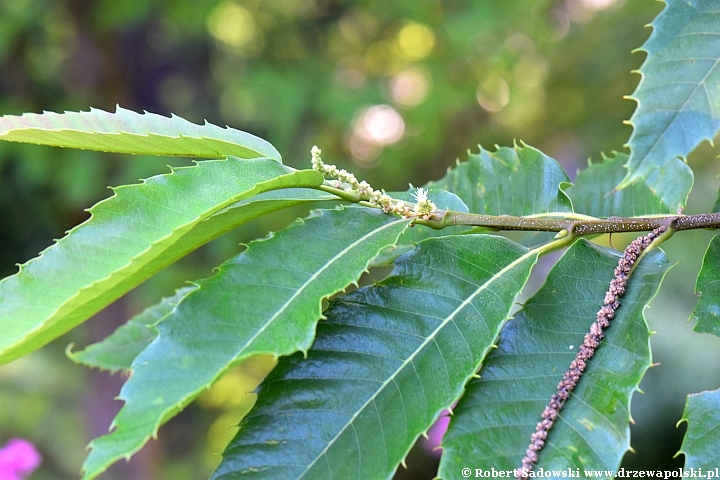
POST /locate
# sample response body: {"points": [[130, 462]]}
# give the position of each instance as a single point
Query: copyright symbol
{"points": [[466, 472]]}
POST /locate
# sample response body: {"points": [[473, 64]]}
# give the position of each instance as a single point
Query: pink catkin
{"points": [[587, 350]]}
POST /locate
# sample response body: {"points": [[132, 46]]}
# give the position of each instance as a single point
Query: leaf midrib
{"points": [[404, 364], [269, 322]]}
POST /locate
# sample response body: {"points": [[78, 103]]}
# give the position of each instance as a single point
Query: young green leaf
{"points": [[702, 438], [389, 359], [707, 310], [128, 132], [593, 191], [493, 421], [265, 300], [129, 237], [679, 93], [509, 181], [117, 351]]}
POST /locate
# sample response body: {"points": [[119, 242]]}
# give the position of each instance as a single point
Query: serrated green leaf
{"points": [[128, 132], [593, 191], [118, 350], [493, 421], [265, 300], [701, 443], [707, 310], [129, 237], [679, 93], [388, 360], [509, 181]]}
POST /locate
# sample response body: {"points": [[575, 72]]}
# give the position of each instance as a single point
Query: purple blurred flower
{"points": [[18, 458], [435, 434]]}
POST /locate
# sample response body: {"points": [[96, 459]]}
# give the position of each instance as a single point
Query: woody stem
{"points": [[577, 227]]}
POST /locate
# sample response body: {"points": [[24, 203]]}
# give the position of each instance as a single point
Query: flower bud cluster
{"points": [[587, 350], [346, 181]]}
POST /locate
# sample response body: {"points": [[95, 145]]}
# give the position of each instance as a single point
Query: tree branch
{"points": [[576, 227]]}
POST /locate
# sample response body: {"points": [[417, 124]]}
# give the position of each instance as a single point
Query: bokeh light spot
{"points": [[493, 94], [233, 25], [380, 124], [409, 87], [374, 128], [598, 4], [415, 42]]}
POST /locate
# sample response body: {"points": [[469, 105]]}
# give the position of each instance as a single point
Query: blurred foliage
{"points": [[394, 91]]}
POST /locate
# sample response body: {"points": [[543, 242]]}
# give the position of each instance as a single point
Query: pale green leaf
{"points": [[493, 421], [265, 300], [129, 237], [679, 93], [118, 350], [701, 443], [593, 191], [509, 181], [128, 132], [388, 360], [707, 310]]}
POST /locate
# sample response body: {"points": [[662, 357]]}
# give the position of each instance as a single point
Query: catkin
{"points": [[587, 350]]}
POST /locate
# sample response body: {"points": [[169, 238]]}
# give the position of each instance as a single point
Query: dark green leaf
{"points": [[493, 421], [593, 192], [265, 300], [389, 359], [702, 438], [679, 93], [707, 310], [510, 181]]}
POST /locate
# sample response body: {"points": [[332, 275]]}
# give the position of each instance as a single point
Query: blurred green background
{"points": [[395, 91]]}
